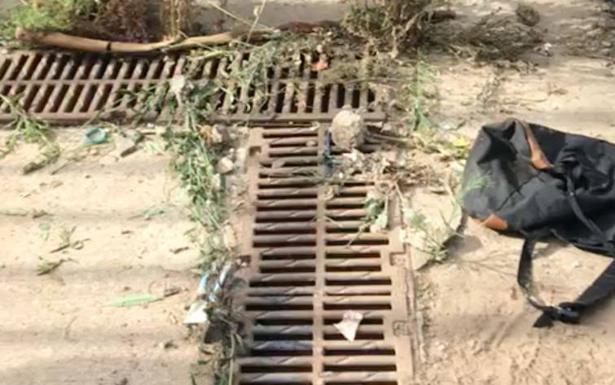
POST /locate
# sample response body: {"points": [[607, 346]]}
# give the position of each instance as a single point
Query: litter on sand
{"points": [[196, 314], [95, 135], [208, 292]]}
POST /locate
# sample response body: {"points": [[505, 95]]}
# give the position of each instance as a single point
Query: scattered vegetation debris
{"points": [[214, 310], [376, 206], [425, 163], [30, 130], [431, 221], [126, 144], [503, 37], [495, 37], [393, 26], [348, 129], [152, 212], [414, 154], [124, 20], [14, 212], [45, 229], [166, 345], [206, 158], [35, 214], [527, 14], [416, 160], [65, 240], [405, 87], [80, 152], [170, 291], [45, 266], [135, 21], [35, 165], [131, 26], [48, 15], [134, 299], [205, 164], [181, 249]]}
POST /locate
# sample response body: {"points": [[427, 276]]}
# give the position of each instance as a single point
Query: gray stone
{"points": [[225, 166], [348, 130]]}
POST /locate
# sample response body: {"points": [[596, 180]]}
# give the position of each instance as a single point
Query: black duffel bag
{"points": [[538, 182]]}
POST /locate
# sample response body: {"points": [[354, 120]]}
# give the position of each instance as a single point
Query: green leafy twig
{"points": [[48, 15], [30, 130], [135, 299]]}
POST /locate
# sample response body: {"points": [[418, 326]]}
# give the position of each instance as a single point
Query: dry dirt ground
{"points": [[58, 328], [477, 324]]}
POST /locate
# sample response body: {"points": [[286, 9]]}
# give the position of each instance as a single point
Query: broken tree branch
{"points": [[66, 41], [62, 40]]}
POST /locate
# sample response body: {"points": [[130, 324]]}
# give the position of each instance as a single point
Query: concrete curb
{"points": [[276, 12]]}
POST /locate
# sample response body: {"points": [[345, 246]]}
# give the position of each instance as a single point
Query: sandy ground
{"points": [[477, 324], [58, 328]]}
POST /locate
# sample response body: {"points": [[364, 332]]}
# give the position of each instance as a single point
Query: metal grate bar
{"points": [[307, 271]]}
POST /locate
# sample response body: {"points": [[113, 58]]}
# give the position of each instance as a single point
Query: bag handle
{"points": [[602, 288]]}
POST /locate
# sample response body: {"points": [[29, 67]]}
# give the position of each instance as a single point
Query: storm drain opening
{"points": [[64, 87], [310, 265]]}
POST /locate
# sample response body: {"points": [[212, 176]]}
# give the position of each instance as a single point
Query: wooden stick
{"points": [[217, 39], [66, 41], [62, 40]]}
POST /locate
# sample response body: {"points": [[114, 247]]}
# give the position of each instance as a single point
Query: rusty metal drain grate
{"points": [[72, 88], [308, 267]]}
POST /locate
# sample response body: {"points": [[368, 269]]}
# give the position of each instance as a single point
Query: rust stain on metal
{"points": [[72, 88], [308, 267]]}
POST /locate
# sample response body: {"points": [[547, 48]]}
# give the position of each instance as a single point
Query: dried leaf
{"points": [[46, 267], [321, 65], [134, 300], [381, 222]]}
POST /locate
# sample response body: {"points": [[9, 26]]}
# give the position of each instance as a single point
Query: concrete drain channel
{"points": [[308, 267]]}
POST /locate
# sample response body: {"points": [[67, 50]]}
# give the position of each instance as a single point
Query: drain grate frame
{"points": [[65, 87], [308, 267]]}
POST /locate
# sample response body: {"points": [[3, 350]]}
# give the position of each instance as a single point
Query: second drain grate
{"points": [[308, 267]]}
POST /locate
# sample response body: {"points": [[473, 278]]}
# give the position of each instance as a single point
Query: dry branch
{"points": [[66, 41]]}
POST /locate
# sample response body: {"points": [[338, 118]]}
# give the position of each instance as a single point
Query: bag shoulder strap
{"points": [[567, 312]]}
